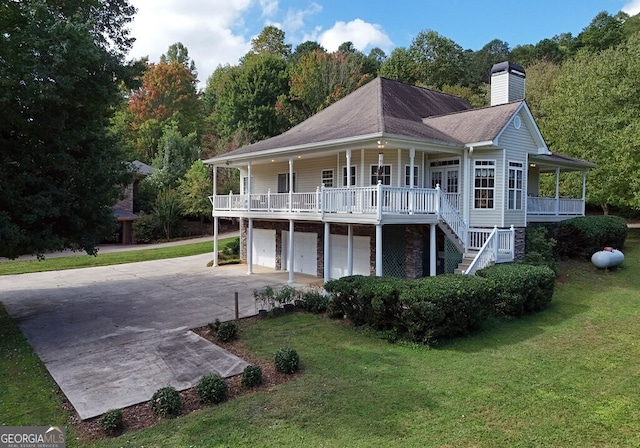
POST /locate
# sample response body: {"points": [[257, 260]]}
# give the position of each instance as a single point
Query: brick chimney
{"points": [[507, 83]]}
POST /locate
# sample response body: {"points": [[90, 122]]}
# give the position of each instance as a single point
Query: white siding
{"points": [[518, 143], [479, 217]]}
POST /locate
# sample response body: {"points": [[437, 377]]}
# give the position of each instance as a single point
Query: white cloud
{"points": [[269, 7], [362, 34], [294, 20], [632, 7], [205, 27]]}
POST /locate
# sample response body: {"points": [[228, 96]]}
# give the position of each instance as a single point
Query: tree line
{"points": [[95, 111]]}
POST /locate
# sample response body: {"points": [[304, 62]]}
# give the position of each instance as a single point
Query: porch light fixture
{"points": [[532, 165], [381, 143]]}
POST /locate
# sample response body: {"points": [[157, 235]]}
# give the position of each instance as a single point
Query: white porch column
{"points": [[250, 247], [412, 158], [215, 219], [399, 183], [349, 180], [215, 241], [215, 179], [557, 206], [379, 250], [348, 168], [584, 191], [467, 173], [290, 183], [248, 192], [432, 250], [350, 249], [290, 254], [327, 248]]}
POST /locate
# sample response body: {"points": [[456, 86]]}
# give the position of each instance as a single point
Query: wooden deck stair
{"points": [[466, 262]]}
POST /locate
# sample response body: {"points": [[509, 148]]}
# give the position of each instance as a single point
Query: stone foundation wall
{"points": [[416, 242], [519, 243]]}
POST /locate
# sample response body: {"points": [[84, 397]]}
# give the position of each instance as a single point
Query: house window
{"points": [[407, 175], [283, 182], [484, 184], [353, 176], [436, 179], [515, 189], [245, 184], [327, 178], [381, 173]]}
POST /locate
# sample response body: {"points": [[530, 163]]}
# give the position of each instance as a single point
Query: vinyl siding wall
{"points": [[519, 144], [308, 171]]}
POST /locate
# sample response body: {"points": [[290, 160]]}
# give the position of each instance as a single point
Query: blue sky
{"points": [[220, 31]]}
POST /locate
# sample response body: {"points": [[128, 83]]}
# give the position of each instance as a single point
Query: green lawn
{"points": [[566, 377], [106, 259]]}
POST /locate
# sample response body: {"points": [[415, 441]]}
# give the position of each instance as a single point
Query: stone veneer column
{"points": [[519, 243]]}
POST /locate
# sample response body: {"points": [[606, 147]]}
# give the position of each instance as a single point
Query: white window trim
{"points": [[373, 165], [354, 175], [416, 175], [295, 181], [333, 176], [515, 189], [473, 182]]}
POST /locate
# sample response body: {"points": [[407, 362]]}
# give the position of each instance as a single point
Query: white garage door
{"points": [[305, 252], [264, 248], [338, 255]]}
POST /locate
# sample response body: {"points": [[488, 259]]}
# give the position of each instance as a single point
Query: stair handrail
{"points": [[486, 255], [452, 217]]}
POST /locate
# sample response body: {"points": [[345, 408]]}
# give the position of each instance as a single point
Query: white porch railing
{"points": [[377, 200], [367, 200], [553, 206], [452, 217], [498, 247]]}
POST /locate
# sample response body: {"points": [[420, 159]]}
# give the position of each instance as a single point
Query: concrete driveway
{"points": [[111, 336]]}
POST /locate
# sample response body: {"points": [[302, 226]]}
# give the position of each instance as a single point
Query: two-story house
{"points": [[399, 180]]}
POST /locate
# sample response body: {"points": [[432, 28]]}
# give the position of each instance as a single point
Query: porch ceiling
{"points": [[549, 163]]}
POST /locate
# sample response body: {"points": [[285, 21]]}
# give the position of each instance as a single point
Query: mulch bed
{"points": [[141, 416]]}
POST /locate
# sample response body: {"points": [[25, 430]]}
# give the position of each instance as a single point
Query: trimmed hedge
{"points": [[583, 236], [423, 310], [445, 306], [520, 288]]}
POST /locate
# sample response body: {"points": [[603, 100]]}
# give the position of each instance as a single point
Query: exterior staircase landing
{"points": [[467, 259]]}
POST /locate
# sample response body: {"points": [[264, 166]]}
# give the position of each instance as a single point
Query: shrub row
{"points": [[423, 310], [582, 237], [520, 288], [433, 308]]}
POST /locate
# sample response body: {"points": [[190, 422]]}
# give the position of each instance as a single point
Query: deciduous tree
{"points": [[61, 64], [594, 114], [438, 60]]}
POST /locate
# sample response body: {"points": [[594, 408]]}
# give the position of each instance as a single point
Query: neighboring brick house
{"points": [[397, 180], [124, 209]]}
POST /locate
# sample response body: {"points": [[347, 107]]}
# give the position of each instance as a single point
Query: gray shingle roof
{"points": [[478, 125], [382, 106]]}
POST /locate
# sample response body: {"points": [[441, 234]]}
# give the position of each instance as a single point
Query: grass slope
{"points": [[107, 259], [565, 377]]}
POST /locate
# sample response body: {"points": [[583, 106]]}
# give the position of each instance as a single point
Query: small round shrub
{"points": [[287, 360], [111, 421], [252, 376], [227, 331], [212, 389], [166, 402]]}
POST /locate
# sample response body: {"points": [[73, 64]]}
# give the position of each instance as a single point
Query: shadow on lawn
{"points": [[501, 331]]}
